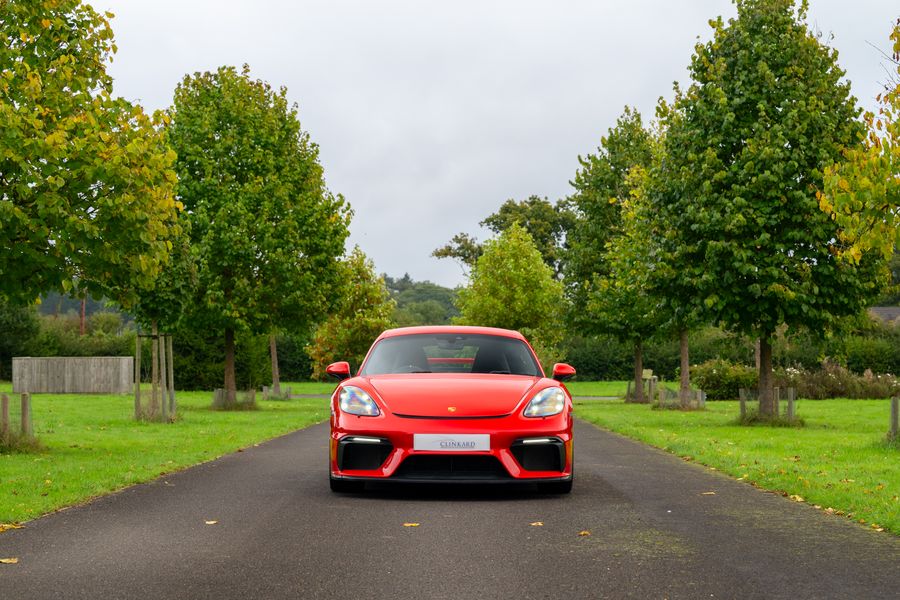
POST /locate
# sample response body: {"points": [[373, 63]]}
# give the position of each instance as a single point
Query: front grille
{"points": [[548, 456], [362, 456], [451, 467]]}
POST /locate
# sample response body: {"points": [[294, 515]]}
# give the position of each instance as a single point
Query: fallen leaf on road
{"points": [[708, 494], [5, 526], [584, 533], [9, 561], [210, 522], [410, 524], [537, 524], [796, 498]]}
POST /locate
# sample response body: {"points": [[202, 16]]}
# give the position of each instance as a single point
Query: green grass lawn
{"points": [[839, 461], [92, 446]]}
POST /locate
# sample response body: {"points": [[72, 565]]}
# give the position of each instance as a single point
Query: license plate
{"points": [[452, 442]]}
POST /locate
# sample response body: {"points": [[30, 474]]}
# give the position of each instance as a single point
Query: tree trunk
{"points": [[639, 371], [276, 377], [684, 390], [230, 386], [154, 369], [81, 321], [766, 393]]}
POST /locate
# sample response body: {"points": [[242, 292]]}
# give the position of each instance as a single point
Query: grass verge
{"points": [[840, 461], [91, 446]]}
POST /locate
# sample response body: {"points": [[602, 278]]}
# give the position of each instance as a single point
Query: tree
{"points": [[18, 326], [265, 231], [547, 223], [420, 302], [863, 191], [86, 185], [620, 303], [601, 186], [745, 146], [363, 312], [513, 288]]}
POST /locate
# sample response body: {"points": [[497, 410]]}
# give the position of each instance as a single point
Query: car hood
{"points": [[456, 395]]}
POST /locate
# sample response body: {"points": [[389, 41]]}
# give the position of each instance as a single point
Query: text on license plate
{"points": [[452, 442]]}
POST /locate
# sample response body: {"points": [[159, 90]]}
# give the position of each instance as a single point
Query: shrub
{"points": [[834, 381], [722, 379]]}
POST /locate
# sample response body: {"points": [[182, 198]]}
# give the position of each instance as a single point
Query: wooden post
{"points": [[163, 372], [171, 355], [154, 369], [137, 375], [4, 419], [743, 395], [27, 429], [791, 393], [776, 398], [895, 417]]}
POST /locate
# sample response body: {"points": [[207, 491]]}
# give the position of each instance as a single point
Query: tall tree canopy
{"points": [[601, 186], [86, 185], [547, 223], [512, 287], [363, 311], [863, 192], [745, 147], [265, 231]]}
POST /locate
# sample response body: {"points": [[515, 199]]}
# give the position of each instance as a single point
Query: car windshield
{"points": [[451, 353]]}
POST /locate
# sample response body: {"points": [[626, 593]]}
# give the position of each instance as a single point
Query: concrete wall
{"points": [[73, 375]]}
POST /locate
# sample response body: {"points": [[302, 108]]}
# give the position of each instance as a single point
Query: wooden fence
{"points": [[73, 375]]}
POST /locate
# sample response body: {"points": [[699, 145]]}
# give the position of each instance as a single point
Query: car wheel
{"points": [[556, 487], [344, 486]]}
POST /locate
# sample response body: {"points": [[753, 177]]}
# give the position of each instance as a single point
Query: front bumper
{"points": [[521, 450]]}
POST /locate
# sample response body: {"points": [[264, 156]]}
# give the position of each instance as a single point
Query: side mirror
{"points": [[339, 370], [562, 371]]}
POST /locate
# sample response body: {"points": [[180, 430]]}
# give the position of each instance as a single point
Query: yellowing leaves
{"points": [[537, 524], [9, 561], [8, 526], [211, 522], [411, 524], [584, 533]]}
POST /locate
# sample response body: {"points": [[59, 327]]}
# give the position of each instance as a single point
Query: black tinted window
{"points": [[451, 353]]}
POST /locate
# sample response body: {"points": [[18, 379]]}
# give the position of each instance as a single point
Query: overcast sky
{"points": [[430, 114]]}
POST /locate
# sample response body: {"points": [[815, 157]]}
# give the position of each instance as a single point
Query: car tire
{"points": [[556, 487], [344, 486]]}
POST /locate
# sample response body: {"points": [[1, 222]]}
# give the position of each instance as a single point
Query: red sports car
{"points": [[451, 404]]}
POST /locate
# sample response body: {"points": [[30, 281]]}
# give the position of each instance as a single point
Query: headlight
{"points": [[355, 401], [545, 403]]}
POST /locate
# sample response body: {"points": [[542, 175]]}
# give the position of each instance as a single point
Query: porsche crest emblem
{"points": [[451, 409]]}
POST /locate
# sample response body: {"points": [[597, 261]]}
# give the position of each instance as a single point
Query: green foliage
{"points": [[199, 362], [420, 302], [87, 194], [722, 380], [547, 223], [744, 149], [364, 311], [513, 288], [601, 185], [18, 326], [61, 336], [265, 231], [294, 363], [862, 193]]}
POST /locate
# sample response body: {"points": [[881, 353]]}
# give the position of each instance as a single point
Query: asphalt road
{"points": [[654, 532]]}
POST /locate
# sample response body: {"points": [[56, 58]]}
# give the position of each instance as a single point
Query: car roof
{"points": [[445, 329]]}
